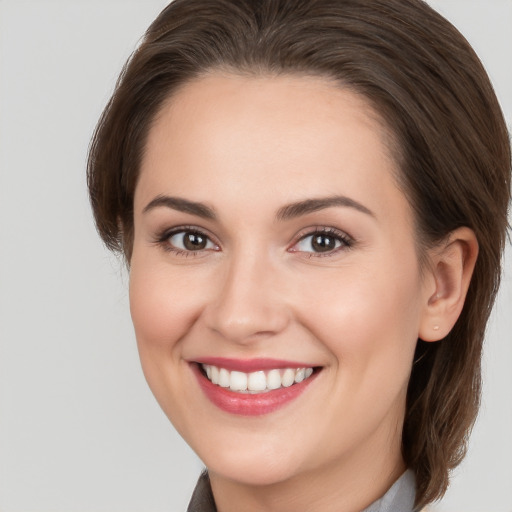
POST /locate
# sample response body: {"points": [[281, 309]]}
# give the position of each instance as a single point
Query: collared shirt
{"points": [[399, 498]]}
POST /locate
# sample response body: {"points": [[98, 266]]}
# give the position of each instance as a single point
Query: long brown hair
{"points": [[448, 137]]}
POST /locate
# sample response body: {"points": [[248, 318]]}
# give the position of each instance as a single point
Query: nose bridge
{"points": [[248, 304]]}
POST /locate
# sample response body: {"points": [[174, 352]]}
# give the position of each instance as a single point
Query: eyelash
{"points": [[163, 240], [345, 241]]}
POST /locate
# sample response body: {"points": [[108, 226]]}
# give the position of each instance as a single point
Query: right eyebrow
{"points": [[312, 205], [181, 205]]}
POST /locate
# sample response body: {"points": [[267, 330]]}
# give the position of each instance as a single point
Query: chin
{"points": [[258, 465], [248, 470]]}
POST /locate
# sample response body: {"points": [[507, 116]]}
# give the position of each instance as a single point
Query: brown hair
{"points": [[451, 145]]}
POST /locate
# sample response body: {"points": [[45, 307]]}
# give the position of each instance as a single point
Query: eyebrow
{"points": [[287, 212], [313, 205], [182, 205]]}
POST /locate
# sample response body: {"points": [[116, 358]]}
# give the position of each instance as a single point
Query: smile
{"points": [[258, 381], [252, 387]]}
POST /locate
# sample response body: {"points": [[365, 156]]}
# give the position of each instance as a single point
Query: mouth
{"points": [[255, 387], [261, 381]]}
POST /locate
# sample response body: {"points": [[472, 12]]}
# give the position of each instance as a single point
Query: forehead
{"points": [[296, 104], [296, 134]]}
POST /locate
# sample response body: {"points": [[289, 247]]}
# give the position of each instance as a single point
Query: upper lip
{"points": [[251, 365]]}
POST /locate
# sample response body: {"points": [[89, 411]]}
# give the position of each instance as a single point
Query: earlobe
{"points": [[452, 266]]}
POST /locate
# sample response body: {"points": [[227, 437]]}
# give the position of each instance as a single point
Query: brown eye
{"points": [[190, 241], [194, 241], [323, 243]]}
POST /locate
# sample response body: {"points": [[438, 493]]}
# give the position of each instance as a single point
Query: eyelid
{"points": [[347, 241], [162, 239]]}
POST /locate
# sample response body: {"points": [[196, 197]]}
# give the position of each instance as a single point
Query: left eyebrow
{"points": [[299, 208], [181, 205]]}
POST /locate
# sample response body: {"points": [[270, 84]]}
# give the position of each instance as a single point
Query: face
{"points": [[274, 255]]}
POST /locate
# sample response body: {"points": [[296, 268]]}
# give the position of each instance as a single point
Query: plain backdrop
{"points": [[79, 429]]}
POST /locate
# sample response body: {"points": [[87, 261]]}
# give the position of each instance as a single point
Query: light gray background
{"points": [[79, 430]]}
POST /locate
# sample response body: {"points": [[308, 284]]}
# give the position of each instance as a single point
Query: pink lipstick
{"points": [[252, 387]]}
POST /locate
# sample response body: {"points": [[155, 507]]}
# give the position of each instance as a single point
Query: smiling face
{"points": [[270, 237]]}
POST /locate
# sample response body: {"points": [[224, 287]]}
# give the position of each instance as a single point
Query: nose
{"points": [[248, 304]]}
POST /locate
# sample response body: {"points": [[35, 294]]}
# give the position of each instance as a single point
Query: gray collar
{"points": [[399, 498]]}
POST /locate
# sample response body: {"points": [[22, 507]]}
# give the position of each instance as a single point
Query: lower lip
{"points": [[248, 404]]}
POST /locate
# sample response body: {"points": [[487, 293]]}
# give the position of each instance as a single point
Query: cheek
{"points": [[371, 329], [163, 309], [368, 318], [162, 306]]}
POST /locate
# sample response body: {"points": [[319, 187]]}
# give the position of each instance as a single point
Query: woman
{"points": [[312, 200]]}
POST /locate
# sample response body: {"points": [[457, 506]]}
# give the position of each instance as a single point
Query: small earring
{"points": [[436, 327]]}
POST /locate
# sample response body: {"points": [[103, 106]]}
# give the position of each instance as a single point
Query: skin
{"points": [[246, 147]]}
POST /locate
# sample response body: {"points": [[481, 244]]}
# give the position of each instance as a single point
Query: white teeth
{"points": [[273, 379], [215, 375], [256, 382], [238, 381], [223, 378], [288, 377]]}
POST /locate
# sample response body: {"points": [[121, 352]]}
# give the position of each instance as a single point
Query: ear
{"points": [[447, 283]]}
